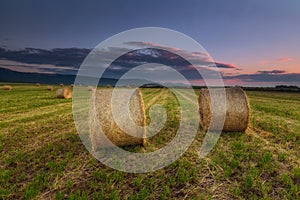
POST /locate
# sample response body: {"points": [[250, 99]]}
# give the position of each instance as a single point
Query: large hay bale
{"points": [[61, 85], [7, 87], [237, 109], [101, 113], [50, 88], [38, 84], [65, 93]]}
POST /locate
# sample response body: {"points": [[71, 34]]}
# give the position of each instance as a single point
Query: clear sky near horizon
{"points": [[252, 35]]}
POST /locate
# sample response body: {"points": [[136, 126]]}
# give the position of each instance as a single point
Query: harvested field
{"points": [[43, 157]]}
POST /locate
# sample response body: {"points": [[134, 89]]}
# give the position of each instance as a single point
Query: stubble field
{"points": [[42, 156]]}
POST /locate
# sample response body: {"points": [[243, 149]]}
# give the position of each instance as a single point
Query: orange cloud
{"points": [[285, 59]]}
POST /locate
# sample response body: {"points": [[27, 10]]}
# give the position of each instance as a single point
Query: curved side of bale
{"points": [[101, 118], [7, 87], [50, 88], [204, 108], [65, 93], [237, 109]]}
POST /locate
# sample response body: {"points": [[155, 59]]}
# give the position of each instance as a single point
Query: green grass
{"points": [[43, 157]]}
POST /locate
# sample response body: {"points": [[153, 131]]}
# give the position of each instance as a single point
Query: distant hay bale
{"points": [[101, 114], [237, 109], [38, 84], [50, 88], [7, 87], [72, 85], [65, 93], [90, 88], [61, 85]]}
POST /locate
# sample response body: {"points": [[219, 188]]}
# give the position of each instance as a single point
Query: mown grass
{"points": [[43, 157]]}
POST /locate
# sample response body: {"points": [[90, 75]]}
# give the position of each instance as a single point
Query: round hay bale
{"points": [[72, 85], [90, 88], [50, 88], [38, 84], [237, 109], [61, 85], [101, 118], [7, 87], [65, 93]]}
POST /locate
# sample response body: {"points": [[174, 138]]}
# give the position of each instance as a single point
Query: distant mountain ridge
{"points": [[7, 75]]}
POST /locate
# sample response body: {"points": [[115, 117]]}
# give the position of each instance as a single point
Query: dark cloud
{"points": [[199, 54], [37, 68], [197, 57], [271, 71], [57, 57], [67, 61], [151, 55], [266, 77], [142, 56], [224, 65], [75, 56]]}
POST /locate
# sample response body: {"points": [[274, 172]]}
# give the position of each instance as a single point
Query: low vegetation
{"points": [[42, 155]]}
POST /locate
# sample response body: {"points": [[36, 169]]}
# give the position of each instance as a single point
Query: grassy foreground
{"points": [[42, 156]]}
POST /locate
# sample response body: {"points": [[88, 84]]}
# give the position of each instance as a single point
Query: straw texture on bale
{"points": [[65, 93], [49, 87], [101, 114], [237, 109], [7, 87]]}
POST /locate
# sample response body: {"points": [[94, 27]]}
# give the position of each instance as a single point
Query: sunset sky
{"points": [[257, 38]]}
